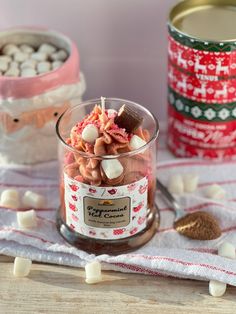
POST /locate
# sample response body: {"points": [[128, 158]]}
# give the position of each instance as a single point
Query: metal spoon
{"points": [[198, 225]]}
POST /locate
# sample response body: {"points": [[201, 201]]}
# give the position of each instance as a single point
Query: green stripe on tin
{"points": [[201, 111], [199, 44]]}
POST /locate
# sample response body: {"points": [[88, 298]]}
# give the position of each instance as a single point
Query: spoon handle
{"points": [[170, 199]]}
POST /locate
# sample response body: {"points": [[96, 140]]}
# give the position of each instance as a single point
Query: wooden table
{"points": [[57, 289]]}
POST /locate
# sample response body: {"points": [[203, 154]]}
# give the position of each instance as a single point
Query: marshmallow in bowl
{"points": [[3, 65], [20, 56], [136, 142], [56, 64], [112, 168], [10, 198], [43, 66], [30, 63], [10, 49], [60, 55], [39, 56], [12, 71], [47, 48], [26, 48], [6, 59], [28, 72]]}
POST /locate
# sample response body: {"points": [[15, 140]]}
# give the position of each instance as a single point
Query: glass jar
{"points": [[100, 215]]}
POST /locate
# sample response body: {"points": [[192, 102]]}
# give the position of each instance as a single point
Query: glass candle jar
{"points": [[101, 214]]}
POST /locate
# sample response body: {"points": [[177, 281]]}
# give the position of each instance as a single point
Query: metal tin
{"points": [[202, 79]]}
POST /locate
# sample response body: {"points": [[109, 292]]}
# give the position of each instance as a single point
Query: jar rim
{"points": [[127, 154]]}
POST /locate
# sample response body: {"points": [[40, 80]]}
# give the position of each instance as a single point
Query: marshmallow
{"points": [[27, 219], [39, 56], [176, 184], [215, 192], [6, 59], [28, 72], [14, 65], [21, 267], [111, 113], [47, 48], [136, 142], [33, 200], [30, 63], [10, 198], [3, 65], [226, 249], [60, 55], [43, 66], [112, 168], [56, 64], [26, 48], [93, 272], [217, 288], [12, 71], [20, 56], [10, 49], [190, 182], [90, 133]]}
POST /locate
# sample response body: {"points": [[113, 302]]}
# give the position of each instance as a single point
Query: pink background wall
{"points": [[122, 43]]}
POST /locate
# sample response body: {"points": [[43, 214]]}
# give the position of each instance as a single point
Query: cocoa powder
{"points": [[199, 226]]}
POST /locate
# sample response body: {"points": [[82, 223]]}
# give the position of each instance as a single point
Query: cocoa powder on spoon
{"points": [[199, 226]]}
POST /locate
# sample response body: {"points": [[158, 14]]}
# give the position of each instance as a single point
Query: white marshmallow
{"points": [[217, 288], [190, 182], [10, 198], [43, 67], [33, 200], [136, 142], [20, 56], [93, 272], [28, 72], [39, 56], [215, 192], [26, 48], [6, 59], [21, 267], [12, 71], [3, 65], [27, 219], [112, 168], [176, 184], [60, 55], [30, 63], [14, 65], [227, 249], [111, 113], [90, 133], [56, 65], [47, 48], [10, 49]]}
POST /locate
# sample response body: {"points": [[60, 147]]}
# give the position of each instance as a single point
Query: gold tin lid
{"points": [[206, 20]]}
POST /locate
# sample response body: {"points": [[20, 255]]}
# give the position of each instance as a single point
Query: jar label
{"points": [[106, 212]]}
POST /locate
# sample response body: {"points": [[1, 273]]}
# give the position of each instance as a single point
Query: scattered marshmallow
{"points": [[21, 267], [90, 133], [47, 48], [43, 66], [39, 56], [111, 113], [3, 65], [112, 168], [12, 71], [136, 142], [10, 49], [93, 272], [27, 219], [226, 249], [56, 65], [190, 182], [217, 288], [215, 191], [26, 48], [10, 198], [30, 63], [28, 72], [176, 184], [60, 55], [6, 59], [20, 56], [33, 200]]}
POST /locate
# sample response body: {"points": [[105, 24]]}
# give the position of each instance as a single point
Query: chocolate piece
{"points": [[128, 119]]}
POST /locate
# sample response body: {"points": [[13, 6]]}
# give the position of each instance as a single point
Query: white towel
{"points": [[167, 254]]}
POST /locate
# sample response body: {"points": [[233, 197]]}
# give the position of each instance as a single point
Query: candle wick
{"points": [[103, 99]]}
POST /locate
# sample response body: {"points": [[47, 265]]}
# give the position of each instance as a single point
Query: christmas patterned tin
{"points": [[202, 79]]}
